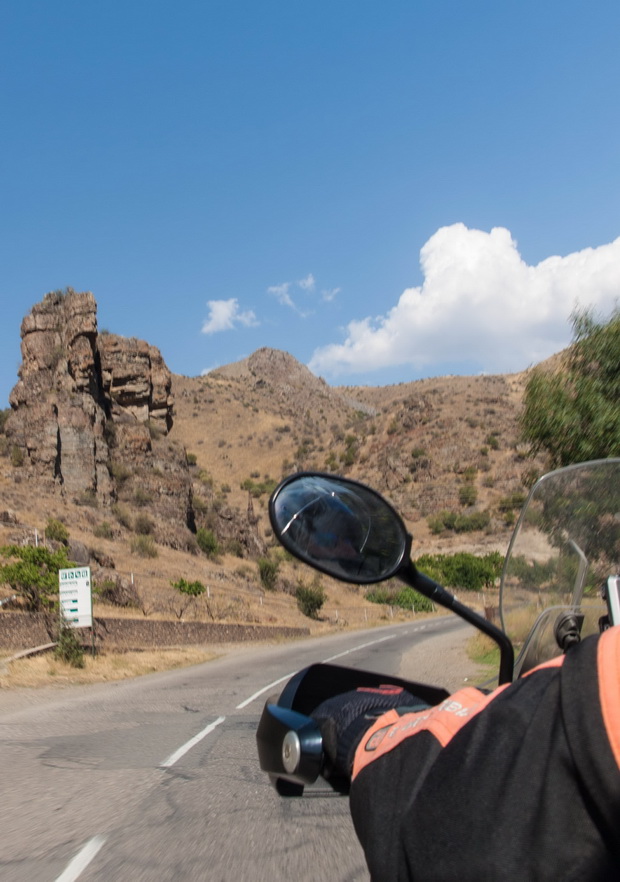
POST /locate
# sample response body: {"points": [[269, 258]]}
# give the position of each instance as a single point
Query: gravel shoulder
{"points": [[444, 661]]}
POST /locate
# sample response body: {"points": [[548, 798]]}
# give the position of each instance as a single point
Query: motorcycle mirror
{"points": [[348, 531], [340, 527]]}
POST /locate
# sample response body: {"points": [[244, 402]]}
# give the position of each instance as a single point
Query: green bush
{"points": [[199, 505], [268, 572], [192, 589], [122, 516], [436, 524], [17, 456], [258, 489], [460, 523], [235, 546], [104, 530], [468, 494], [479, 520], [144, 546], [513, 501], [331, 462], [310, 598], [68, 647], [351, 450], [205, 478], [405, 598], [462, 570], [207, 542], [56, 531]]}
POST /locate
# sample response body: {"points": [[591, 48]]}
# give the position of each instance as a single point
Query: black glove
{"points": [[344, 718]]}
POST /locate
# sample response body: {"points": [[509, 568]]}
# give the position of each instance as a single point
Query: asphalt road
{"points": [[158, 778]]}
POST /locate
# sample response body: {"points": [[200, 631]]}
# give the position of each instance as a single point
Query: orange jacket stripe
{"points": [[608, 661], [443, 721]]}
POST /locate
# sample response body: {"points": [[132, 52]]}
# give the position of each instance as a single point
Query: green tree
{"points": [[32, 573], [574, 414], [188, 592]]}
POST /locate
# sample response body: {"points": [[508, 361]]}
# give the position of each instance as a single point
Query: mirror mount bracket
{"points": [[435, 592]]}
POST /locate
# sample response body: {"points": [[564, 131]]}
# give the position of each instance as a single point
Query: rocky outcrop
{"points": [[136, 380], [80, 393], [59, 413]]}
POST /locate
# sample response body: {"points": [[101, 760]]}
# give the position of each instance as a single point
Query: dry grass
{"points": [[45, 670]]}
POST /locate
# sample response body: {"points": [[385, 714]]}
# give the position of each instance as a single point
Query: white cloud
{"points": [[328, 294], [225, 314], [481, 304], [281, 293], [308, 283]]}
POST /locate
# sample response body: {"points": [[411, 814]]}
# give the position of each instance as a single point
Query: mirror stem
{"points": [[431, 589]]}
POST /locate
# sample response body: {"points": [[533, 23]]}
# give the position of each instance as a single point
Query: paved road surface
{"points": [[158, 779]]}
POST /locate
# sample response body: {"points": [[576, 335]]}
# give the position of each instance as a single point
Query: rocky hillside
{"points": [[132, 458], [421, 443]]}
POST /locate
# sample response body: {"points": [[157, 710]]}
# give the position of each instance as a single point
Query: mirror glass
{"points": [[339, 527]]}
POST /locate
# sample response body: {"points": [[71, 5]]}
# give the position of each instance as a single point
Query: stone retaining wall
{"points": [[20, 631]]}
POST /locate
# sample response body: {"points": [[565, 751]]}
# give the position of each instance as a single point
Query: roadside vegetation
{"points": [[573, 414]]}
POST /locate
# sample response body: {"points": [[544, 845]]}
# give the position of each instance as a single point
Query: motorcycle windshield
{"points": [[565, 545]]}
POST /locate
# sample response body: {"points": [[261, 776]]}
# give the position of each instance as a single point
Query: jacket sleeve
{"points": [[521, 784]]}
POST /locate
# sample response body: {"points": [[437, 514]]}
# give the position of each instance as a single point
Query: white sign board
{"points": [[76, 603]]}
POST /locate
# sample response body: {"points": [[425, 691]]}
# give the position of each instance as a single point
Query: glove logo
{"points": [[376, 738]]}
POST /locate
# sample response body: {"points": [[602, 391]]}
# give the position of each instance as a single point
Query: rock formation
{"points": [[81, 392]]}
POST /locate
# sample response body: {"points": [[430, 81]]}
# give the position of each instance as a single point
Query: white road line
{"points": [[362, 646], [264, 689], [288, 676], [176, 756], [82, 859]]}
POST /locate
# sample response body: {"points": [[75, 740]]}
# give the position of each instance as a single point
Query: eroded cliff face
{"points": [[84, 398]]}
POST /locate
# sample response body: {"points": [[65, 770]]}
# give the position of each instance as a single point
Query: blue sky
{"points": [[384, 190]]}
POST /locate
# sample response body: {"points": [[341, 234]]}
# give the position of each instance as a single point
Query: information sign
{"points": [[76, 604]]}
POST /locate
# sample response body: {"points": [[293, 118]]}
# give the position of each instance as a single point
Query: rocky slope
{"points": [[102, 435]]}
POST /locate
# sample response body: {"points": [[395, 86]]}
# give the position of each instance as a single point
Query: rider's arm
{"points": [[522, 784]]}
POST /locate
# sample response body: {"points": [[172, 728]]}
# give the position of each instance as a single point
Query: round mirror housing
{"points": [[340, 527]]}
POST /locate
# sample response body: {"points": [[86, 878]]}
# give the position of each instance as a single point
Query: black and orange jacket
{"points": [[521, 784]]}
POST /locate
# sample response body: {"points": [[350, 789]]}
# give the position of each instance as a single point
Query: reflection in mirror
{"points": [[339, 526]]}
